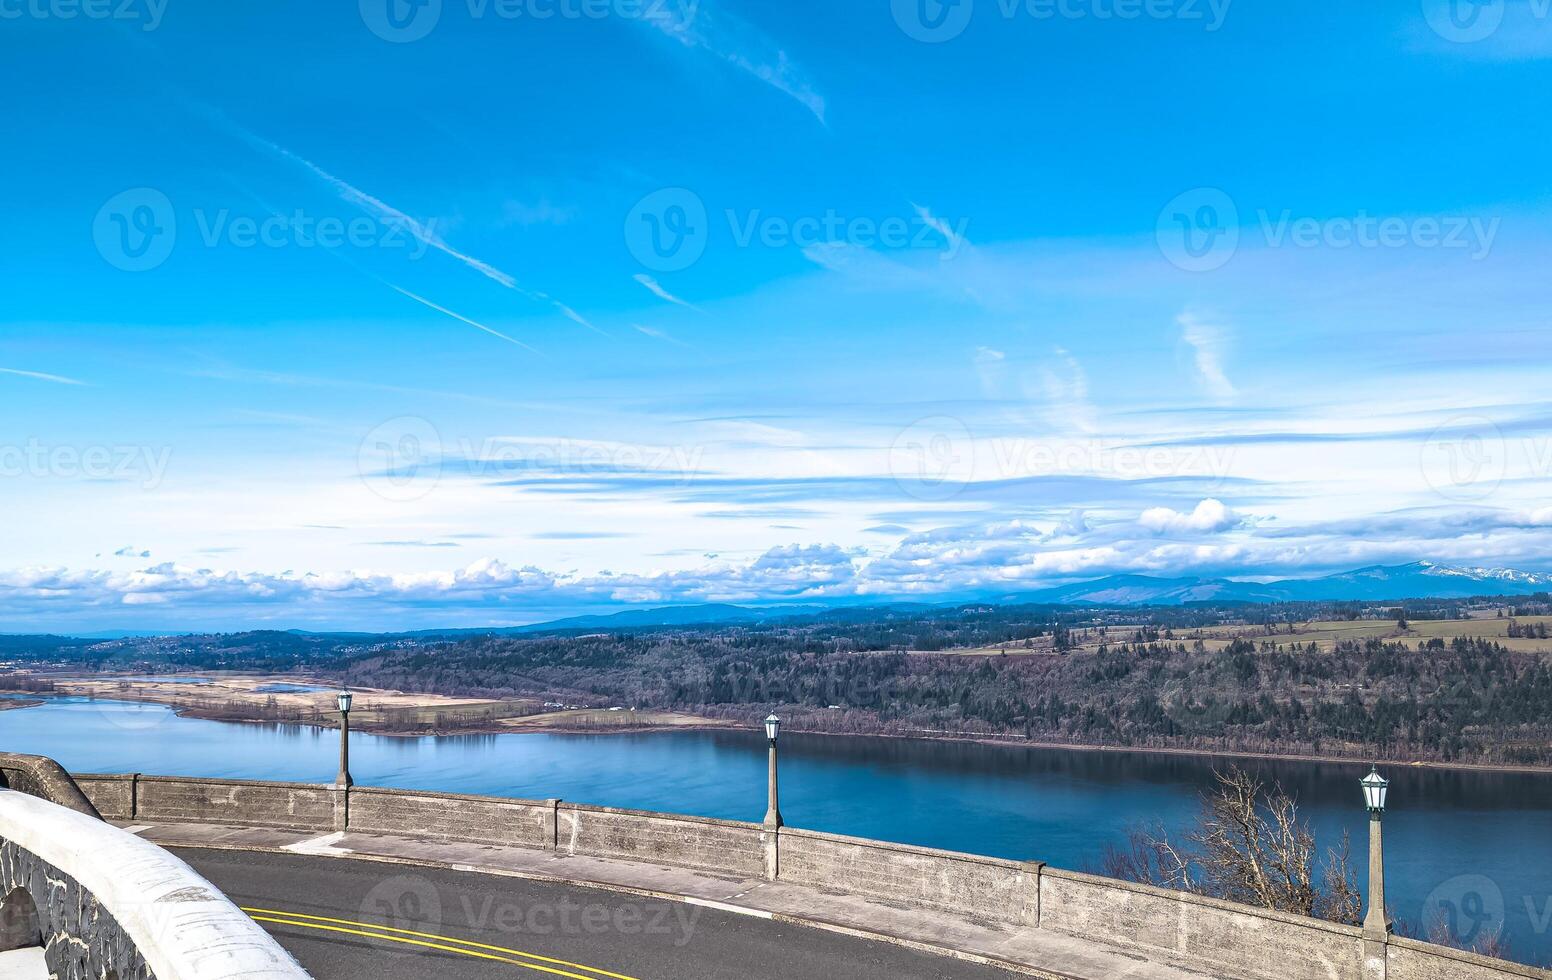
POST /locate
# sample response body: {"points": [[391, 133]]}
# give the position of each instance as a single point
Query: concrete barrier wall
{"points": [[984, 888], [302, 805], [719, 846], [479, 819], [113, 796], [1220, 937], [1253, 943], [1408, 959]]}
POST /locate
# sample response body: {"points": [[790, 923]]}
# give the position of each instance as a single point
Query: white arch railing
{"points": [[168, 919]]}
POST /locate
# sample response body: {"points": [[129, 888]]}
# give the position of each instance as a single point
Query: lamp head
{"points": [[1375, 789], [344, 701], [772, 727]]}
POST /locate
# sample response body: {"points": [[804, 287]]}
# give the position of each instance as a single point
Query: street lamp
{"points": [[773, 812], [1375, 789], [344, 710]]}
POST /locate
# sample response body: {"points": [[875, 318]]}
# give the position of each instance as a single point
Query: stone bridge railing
{"points": [[96, 903], [1219, 938]]}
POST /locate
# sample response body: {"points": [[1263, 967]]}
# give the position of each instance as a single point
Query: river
{"points": [[1471, 845]]}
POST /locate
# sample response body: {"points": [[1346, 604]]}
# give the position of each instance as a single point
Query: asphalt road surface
{"points": [[362, 919]]}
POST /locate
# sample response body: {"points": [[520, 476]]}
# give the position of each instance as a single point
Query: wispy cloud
{"points": [[460, 317], [423, 232], [704, 28], [390, 215], [656, 288], [40, 376], [657, 334], [1207, 343], [954, 236], [1065, 386]]}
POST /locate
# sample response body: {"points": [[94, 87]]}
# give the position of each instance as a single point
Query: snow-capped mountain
{"points": [[1417, 580]]}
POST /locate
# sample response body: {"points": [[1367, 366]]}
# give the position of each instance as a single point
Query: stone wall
{"points": [[302, 805], [81, 940], [480, 819], [719, 846], [982, 888], [102, 902], [114, 796], [1222, 938], [1254, 943], [1408, 959], [44, 778]]}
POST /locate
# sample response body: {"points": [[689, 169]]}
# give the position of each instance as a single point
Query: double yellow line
{"points": [[427, 940]]}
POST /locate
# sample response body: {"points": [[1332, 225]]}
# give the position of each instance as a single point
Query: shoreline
{"points": [[937, 737]]}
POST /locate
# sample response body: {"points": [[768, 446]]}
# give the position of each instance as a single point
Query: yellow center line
{"points": [[465, 946]]}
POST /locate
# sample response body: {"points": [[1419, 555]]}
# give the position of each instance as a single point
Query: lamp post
{"points": [[1375, 788], [344, 710], [773, 812]]}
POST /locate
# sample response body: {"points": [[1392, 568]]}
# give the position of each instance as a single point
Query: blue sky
{"points": [[473, 312]]}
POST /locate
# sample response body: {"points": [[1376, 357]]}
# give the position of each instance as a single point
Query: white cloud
{"points": [[461, 318], [1210, 517], [423, 232], [40, 376], [1065, 389], [656, 288], [1207, 343], [954, 236], [706, 28], [130, 551], [657, 334]]}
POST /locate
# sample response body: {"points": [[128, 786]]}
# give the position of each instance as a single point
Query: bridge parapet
{"points": [[102, 903], [1218, 938]]}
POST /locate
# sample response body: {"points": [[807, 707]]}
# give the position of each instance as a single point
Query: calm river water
{"points": [[1473, 845]]}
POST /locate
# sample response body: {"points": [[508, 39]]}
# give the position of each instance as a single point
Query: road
{"points": [[344, 918]]}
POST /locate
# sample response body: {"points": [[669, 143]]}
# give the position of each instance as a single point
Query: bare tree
{"points": [[1248, 845]]}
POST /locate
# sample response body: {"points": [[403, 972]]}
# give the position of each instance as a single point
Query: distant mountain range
{"points": [[1375, 583], [1417, 580]]}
